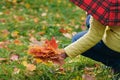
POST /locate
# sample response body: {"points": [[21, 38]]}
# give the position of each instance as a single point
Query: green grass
{"points": [[51, 15]]}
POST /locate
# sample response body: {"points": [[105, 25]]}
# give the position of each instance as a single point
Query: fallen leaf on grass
{"points": [[27, 5], [14, 57], [16, 70], [5, 33], [88, 77], [29, 67], [43, 14], [1, 13], [67, 35], [36, 20], [2, 20], [15, 34], [17, 42], [19, 18], [88, 74], [62, 30], [3, 59], [4, 44]]}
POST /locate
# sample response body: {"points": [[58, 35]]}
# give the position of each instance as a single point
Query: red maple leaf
{"points": [[52, 43]]}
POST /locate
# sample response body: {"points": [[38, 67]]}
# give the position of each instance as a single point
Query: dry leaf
{"points": [[17, 42], [29, 67], [3, 59], [1, 13], [43, 14], [14, 1], [62, 30], [47, 52], [16, 70], [4, 44], [15, 34], [88, 77], [14, 57], [36, 20], [27, 5], [41, 33], [5, 33], [88, 74], [2, 20], [67, 35], [18, 18]]}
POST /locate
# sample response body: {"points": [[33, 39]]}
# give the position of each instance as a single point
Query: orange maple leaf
{"points": [[52, 43], [46, 52]]}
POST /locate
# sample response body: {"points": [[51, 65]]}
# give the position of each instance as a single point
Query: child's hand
{"points": [[60, 57]]}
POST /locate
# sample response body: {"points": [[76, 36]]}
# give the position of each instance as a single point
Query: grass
{"points": [[41, 19]]}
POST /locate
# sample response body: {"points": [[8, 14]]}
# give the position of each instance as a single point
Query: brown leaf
{"points": [[18, 18], [4, 44], [41, 33], [36, 20], [3, 59], [62, 30], [17, 42], [2, 20]]}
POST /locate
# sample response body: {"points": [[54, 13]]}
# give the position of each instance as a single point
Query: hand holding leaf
{"points": [[47, 52]]}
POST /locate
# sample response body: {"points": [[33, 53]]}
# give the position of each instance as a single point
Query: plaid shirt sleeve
{"points": [[105, 11]]}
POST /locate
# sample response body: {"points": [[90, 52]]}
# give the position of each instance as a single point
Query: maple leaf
{"points": [[52, 43], [62, 30], [47, 52]]}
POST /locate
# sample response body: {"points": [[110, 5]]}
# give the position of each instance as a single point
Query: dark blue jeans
{"points": [[100, 52]]}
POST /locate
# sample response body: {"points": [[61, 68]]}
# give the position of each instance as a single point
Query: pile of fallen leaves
{"points": [[45, 50]]}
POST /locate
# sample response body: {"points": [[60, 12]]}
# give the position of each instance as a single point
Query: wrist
{"points": [[64, 55]]}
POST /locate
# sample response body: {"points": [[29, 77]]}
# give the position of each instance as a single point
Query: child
{"points": [[102, 41]]}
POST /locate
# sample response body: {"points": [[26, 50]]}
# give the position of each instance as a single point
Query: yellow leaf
{"points": [[27, 5], [38, 60], [29, 67], [15, 34], [14, 1], [24, 63]]}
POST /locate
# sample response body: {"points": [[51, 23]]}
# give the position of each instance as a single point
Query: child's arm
{"points": [[90, 39]]}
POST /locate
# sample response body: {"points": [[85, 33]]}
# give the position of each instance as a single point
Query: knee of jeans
{"points": [[78, 35]]}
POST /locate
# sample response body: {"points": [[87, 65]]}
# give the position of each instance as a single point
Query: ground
{"points": [[23, 21]]}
